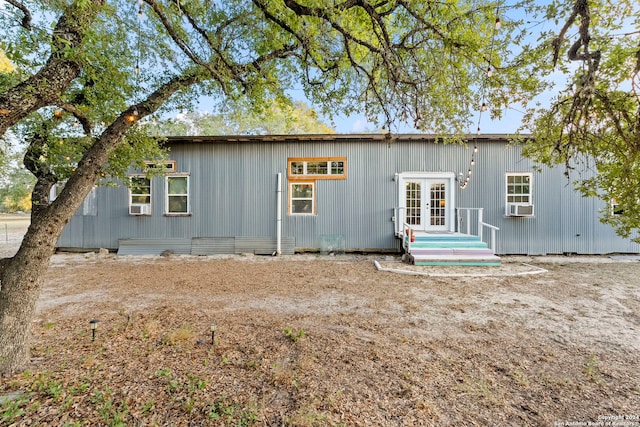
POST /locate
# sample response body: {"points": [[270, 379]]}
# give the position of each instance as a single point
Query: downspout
{"points": [[279, 215]]}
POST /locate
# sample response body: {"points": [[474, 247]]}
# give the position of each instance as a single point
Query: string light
{"points": [[135, 116], [483, 107], [131, 118]]}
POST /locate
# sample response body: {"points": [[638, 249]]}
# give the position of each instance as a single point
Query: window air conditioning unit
{"points": [[140, 210], [519, 210]]}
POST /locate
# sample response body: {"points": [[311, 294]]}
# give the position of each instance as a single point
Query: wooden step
{"points": [[456, 260], [451, 251], [449, 244]]}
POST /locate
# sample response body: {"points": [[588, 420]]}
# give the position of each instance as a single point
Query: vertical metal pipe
{"points": [[279, 215]]}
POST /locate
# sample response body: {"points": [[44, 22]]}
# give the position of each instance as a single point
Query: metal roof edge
{"points": [[334, 137]]}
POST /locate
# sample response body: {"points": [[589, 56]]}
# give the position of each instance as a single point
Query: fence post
{"points": [[480, 226]]}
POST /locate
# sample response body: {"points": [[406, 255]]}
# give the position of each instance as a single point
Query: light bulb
{"points": [[498, 23], [489, 71], [483, 107]]}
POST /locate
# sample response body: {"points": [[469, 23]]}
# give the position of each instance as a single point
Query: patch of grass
{"points": [[43, 383], [48, 326], [306, 417], [196, 383], [112, 412], [231, 413], [151, 329], [148, 406], [294, 336], [182, 335], [592, 369], [164, 372], [12, 408], [480, 388], [520, 378]]}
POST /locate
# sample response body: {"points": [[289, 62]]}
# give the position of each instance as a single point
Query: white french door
{"points": [[426, 201]]}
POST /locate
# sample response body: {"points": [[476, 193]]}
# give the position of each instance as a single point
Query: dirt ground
{"points": [[309, 340]]}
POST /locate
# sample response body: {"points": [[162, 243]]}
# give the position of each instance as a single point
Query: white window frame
{"points": [[312, 198], [164, 165], [168, 195], [528, 195], [145, 207], [89, 204], [305, 174]]}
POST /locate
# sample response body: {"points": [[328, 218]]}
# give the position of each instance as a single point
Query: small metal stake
{"points": [[213, 333], [94, 325]]}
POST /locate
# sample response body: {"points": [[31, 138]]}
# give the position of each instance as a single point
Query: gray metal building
{"points": [[236, 194]]}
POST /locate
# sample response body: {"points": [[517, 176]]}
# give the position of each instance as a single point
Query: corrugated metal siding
{"points": [[233, 194], [213, 245], [262, 246], [154, 246]]}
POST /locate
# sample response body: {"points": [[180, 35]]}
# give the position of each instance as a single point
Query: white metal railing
{"points": [[401, 228], [481, 225], [398, 221]]}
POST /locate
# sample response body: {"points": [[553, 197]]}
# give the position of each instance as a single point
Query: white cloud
{"points": [[359, 125]]}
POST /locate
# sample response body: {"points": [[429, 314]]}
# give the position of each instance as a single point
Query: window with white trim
{"points": [[89, 204], [177, 195], [318, 167], [519, 194], [519, 188], [139, 195], [302, 198], [165, 166]]}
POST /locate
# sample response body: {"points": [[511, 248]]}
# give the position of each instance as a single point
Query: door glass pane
{"points": [[413, 198], [438, 205]]}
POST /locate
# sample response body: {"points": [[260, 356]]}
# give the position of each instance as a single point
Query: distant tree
{"points": [[16, 184], [239, 118], [5, 64]]}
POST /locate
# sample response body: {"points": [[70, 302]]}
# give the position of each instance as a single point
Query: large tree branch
{"points": [[184, 46], [95, 158], [26, 19], [45, 87]]}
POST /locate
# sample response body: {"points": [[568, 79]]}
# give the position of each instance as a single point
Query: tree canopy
{"points": [[592, 126]]}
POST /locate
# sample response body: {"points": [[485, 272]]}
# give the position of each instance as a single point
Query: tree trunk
{"points": [[22, 278]]}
